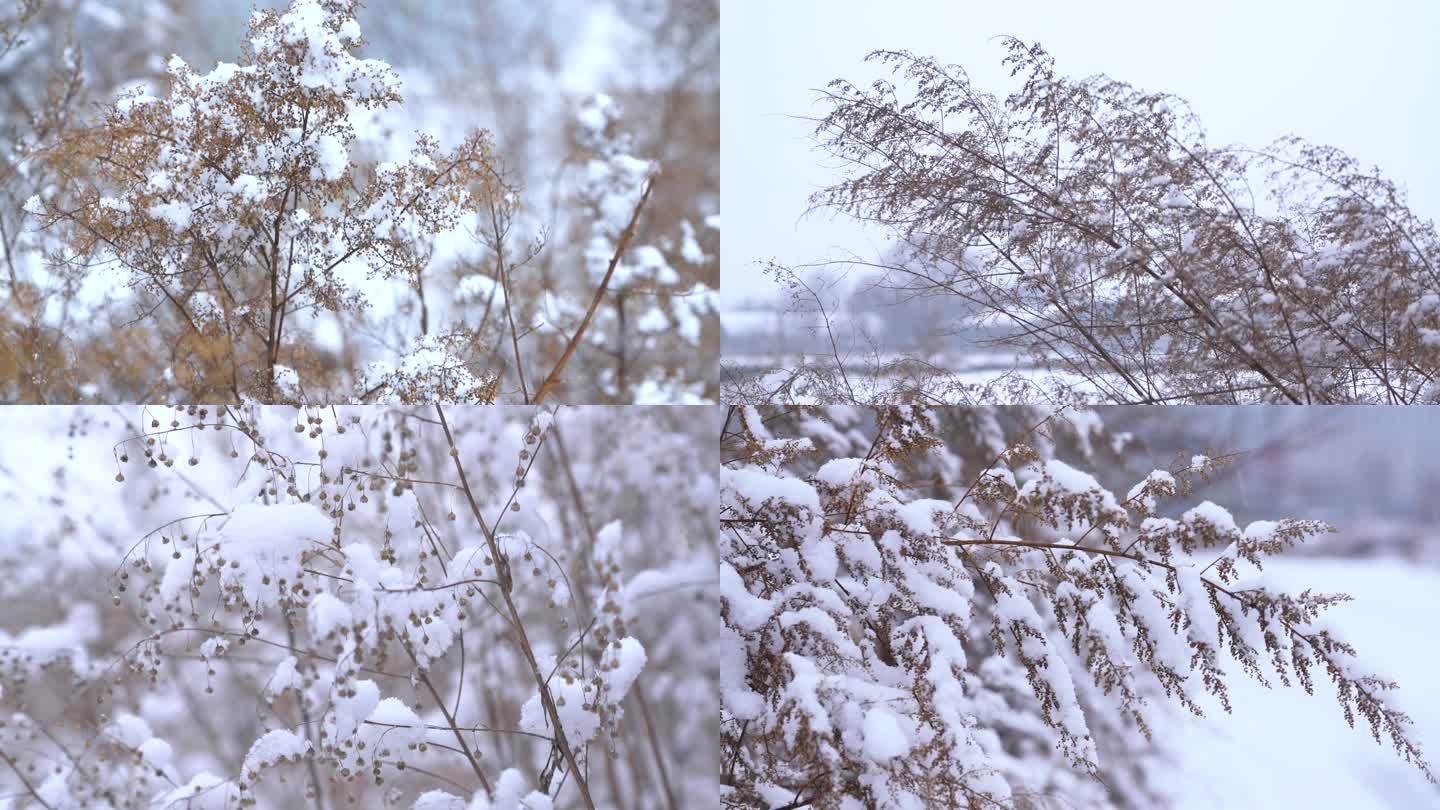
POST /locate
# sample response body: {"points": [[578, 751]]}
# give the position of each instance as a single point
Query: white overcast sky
{"points": [[1363, 75]]}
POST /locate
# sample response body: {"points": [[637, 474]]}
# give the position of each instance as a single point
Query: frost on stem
{"points": [[896, 637], [237, 195]]}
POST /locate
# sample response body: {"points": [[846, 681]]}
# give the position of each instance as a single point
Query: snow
{"points": [[607, 540], [1070, 479], [945, 600], [511, 793], [274, 747], [222, 74], [204, 791], [1150, 610], [69, 638], [205, 308], [366, 569], [1283, 748], [1260, 530], [823, 625], [1012, 607], [284, 678], [820, 557], [739, 699], [580, 724], [331, 158], [287, 380], [214, 647], [1194, 600], [1175, 199], [258, 541], [328, 615], [1214, 514], [595, 115], [884, 738], [129, 730], [747, 611], [156, 753], [577, 702], [650, 264], [428, 367], [393, 712], [175, 214], [304, 20], [1158, 482], [801, 690], [839, 472], [628, 661], [694, 572], [654, 321], [438, 800], [1087, 423], [700, 300], [249, 188], [128, 103], [758, 486], [861, 551], [349, 710], [690, 249], [919, 514], [275, 532]]}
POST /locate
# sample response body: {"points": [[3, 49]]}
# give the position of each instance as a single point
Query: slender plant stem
{"points": [[26, 782], [516, 624], [553, 378]]}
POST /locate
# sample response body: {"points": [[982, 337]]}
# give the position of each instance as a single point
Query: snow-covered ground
{"points": [[944, 378], [1282, 748]]}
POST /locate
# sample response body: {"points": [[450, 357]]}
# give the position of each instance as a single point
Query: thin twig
{"points": [[553, 378], [522, 640]]}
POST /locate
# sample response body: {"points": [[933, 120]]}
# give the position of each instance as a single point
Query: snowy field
{"points": [[1283, 748], [943, 378]]}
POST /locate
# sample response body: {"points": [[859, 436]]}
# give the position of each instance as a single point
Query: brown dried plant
{"points": [[234, 204], [1094, 222], [925, 608]]}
